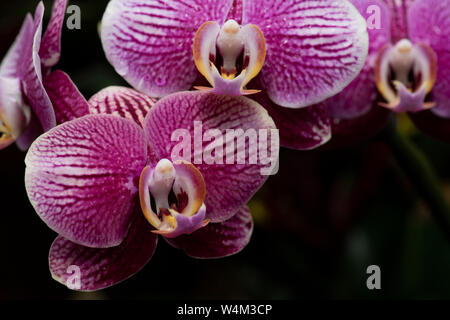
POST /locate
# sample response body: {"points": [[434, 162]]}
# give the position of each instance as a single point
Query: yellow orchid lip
{"points": [[159, 185], [6, 137], [406, 73], [238, 52]]}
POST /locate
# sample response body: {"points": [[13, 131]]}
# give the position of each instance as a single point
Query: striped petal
{"points": [[149, 43], [50, 50], [429, 23], [123, 102], [32, 76], [357, 98], [101, 268], [67, 100], [314, 48], [301, 129], [218, 240], [193, 126], [399, 17], [82, 178]]}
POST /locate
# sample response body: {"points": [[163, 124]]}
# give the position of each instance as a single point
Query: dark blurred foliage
{"points": [[320, 221]]}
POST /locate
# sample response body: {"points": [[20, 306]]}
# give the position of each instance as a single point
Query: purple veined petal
{"points": [[67, 100], [235, 12], [218, 240], [31, 133], [123, 102], [431, 124], [314, 48], [32, 77], [10, 66], [399, 17], [50, 50], [195, 125], [429, 23], [102, 268], [301, 129], [149, 43], [357, 98], [82, 176]]}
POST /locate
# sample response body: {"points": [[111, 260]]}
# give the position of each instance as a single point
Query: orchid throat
{"points": [[229, 56], [172, 198], [405, 74]]}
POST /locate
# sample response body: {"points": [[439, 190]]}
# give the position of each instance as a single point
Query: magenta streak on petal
{"points": [[218, 240], [399, 16], [178, 112], [15, 57], [301, 129], [235, 12], [314, 48], [32, 77], [429, 23], [50, 50], [149, 43], [81, 178], [357, 98], [102, 268], [123, 102], [67, 100]]}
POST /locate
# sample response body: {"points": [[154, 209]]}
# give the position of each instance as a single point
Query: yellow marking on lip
{"points": [[151, 217]]}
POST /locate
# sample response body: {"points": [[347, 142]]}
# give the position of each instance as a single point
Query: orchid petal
{"points": [[32, 131], [67, 100], [10, 66], [235, 11], [50, 50], [149, 43], [301, 129], [399, 17], [32, 76], [123, 102], [81, 178], [429, 23], [314, 48], [218, 240], [358, 97], [102, 268], [195, 116]]}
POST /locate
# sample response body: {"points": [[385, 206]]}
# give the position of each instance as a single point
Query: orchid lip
{"points": [[405, 74], [172, 197], [229, 56]]}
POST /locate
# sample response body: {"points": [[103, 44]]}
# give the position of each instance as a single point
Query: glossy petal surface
{"points": [[101, 268], [67, 100], [218, 240], [429, 22], [123, 102], [187, 119], [149, 43], [82, 178], [314, 48]]}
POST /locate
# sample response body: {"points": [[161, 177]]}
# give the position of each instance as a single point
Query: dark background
{"points": [[319, 223]]}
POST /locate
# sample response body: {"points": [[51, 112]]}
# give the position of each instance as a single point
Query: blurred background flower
{"points": [[319, 223]]}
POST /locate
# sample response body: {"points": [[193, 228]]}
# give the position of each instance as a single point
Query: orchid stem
{"points": [[417, 168]]}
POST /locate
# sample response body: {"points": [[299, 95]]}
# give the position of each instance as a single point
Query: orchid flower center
{"points": [[5, 131], [405, 74], [172, 197], [229, 56]]}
